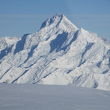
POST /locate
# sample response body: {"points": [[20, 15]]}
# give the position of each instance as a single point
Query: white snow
{"points": [[59, 54]]}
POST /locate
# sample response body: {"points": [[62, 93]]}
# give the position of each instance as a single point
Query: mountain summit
{"points": [[59, 21], [59, 54]]}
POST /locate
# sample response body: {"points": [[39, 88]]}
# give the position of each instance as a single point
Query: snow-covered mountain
{"points": [[59, 54], [6, 41]]}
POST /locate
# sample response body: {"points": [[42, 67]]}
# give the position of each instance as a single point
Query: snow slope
{"points": [[60, 54], [37, 97], [6, 41]]}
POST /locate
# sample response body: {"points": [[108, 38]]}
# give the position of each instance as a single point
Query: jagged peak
{"points": [[9, 40], [55, 19], [59, 19], [90, 36]]}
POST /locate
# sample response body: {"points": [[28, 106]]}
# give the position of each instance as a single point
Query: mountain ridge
{"points": [[59, 54]]}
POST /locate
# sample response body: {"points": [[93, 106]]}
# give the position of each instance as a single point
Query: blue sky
{"points": [[18, 17]]}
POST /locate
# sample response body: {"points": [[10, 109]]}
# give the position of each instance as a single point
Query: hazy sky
{"points": [[18, 17]]}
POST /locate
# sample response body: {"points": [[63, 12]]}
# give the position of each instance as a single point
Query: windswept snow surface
{"points": [[39, 97], [59, 54], [7, 41]]}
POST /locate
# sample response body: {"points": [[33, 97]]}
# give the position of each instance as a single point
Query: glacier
{"points": [[59, 53]]}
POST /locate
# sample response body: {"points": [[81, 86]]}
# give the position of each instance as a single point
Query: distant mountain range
{"points": [[58, 54]]}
